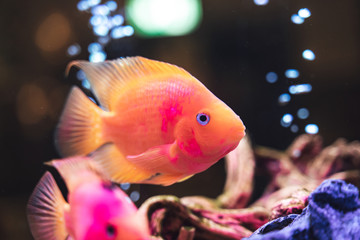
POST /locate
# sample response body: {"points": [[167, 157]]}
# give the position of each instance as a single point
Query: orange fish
{"points": [[158, 124], [96, 209]]}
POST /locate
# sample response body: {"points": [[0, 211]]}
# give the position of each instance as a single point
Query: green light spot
{"points": [[163, 17]]}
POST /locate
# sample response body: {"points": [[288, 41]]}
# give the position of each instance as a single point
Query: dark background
{"points": [[236, 44]]}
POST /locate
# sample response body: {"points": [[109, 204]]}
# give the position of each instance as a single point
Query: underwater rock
{"points": [[333, 213]]}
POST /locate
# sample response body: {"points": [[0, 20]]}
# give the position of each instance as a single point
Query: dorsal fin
{"points": [[108, 78], [45, 210], [76, 170]]}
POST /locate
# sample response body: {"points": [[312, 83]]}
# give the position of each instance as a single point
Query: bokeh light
{"points": [[117, 20], [164, 17], [261, 2], [53, 33], [100, 10], [101, 30], [97, 56], [294, 128], [80, 75], [112, 5], [303, 113], [135, 196], [308, 55], [125, 186], [83, 5], [98, 20], [284, 98], [311, 129], [271, 77], [86, 84], [304, 13], [73, 50], [94, 47], [300, 88], [292, 73], [297, 19], [286, 120]]}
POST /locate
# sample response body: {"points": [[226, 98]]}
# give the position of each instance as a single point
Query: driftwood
{"points": [[292, 175]]}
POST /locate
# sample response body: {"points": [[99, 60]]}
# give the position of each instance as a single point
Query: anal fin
{"points": [[45, 210]]}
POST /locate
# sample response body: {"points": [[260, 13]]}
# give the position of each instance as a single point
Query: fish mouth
{"points": [[237, 132]]}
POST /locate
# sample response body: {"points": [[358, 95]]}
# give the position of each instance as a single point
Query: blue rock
{"points": [[333, 213]]}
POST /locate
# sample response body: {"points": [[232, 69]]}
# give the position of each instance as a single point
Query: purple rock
{"points": [[333, 213]]}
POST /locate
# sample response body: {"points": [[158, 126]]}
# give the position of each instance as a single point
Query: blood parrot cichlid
{"points": [[157, 123], [96, 209]]}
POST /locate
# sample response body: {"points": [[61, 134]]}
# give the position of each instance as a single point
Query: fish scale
{"points": [[134, 133]]}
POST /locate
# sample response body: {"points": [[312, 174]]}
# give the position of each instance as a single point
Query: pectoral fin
{"points": [[160, 161], [116, 167], [156, 159]]}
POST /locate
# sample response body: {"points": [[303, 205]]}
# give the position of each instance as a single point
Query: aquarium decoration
{"points": [[292, 175], [333, 212], [311, 191]]}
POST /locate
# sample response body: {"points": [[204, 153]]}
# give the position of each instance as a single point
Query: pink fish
{"points": [[96, 209]]}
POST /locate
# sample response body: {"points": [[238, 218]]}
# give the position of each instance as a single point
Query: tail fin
{"points": [[79, 129], [45, 211]]}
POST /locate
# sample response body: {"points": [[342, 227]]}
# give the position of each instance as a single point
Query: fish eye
{"points": [[110, 230], [202, 118]]}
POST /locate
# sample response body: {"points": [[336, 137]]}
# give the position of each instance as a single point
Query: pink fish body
{"points": [[96, 209], [160, 124]]}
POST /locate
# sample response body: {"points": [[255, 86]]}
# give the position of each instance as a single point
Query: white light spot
{"points": [[112, 5], [74, 50], [292, 73], [117, 20], [261, 2], [304, 13], [104, 40], [284, 98], [83, 5], [93, 2], [94, 47], [286, 120], [100, 10], [117, 32], [312, 129], [128, 30], [308, 55], [97, 57], [97, 20], [294, 128], [297, 19], [271, 77], [301, 88], [135, 196], [125, 186], [101, 30], [303, 113]]}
